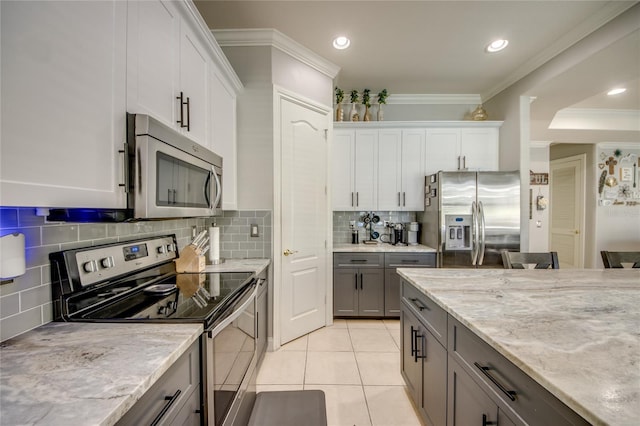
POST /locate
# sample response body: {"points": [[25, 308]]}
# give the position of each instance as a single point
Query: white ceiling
{"points": [[437, 47]]}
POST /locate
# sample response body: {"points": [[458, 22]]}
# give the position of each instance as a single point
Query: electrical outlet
{"points": [[385, 223], [194, 231], [352, 224], [254, 230]]}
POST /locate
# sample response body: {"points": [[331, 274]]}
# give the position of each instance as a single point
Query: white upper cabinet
{"points": [[401, 160], [390, 169], [413, 169], [366, 172], [382, 165], [462, 149], [355, 170], [223, 141], [63, 103], [167, 70]]}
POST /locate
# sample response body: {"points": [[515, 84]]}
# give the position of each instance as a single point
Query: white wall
{"points": [[539, 222]]}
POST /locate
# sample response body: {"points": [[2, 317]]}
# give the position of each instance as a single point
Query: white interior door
{"points": [[304, 219], [567, 210]]}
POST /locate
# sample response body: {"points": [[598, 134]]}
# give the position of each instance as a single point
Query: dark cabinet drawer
{"points": [[433, 316], [509, 386], [410, 260], [358, 260]]}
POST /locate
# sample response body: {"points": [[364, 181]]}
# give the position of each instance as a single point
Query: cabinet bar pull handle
{"points": [[166, 407], [188, 114], [412, 341], [458, 162], [485, 370], [398, 199], [352, 199], [410, 260], [485, 422], [181, 99], [125, 167], [404, 199], [464, 163], [356, 274], [416, 357], [360, 281], [357, 199], [358, 260], [420, 306]]}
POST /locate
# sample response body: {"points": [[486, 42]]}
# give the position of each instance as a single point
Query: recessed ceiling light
{"points": [[341, 42], [497, 45], [616, 91]]}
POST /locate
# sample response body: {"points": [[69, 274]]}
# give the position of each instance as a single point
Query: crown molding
{"points": [[438, 99], [596, 119], [593, 23], [540, 144], [274, 38], [416, 124]]}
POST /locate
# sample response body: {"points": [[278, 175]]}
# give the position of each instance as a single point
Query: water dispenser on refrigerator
{"points": [[458, 232]]}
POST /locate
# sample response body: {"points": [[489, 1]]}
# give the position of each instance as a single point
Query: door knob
{"points": [[287, 252], [577, 231]]}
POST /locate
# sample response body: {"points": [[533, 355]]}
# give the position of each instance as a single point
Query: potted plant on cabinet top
{"points": [[382, 99], [339, 99], [354, 99], [366, 101]]}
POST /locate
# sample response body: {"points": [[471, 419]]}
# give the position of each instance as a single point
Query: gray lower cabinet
{"points": [[457, 379], [470, 405], [174, 399], [367, 284], [423, 364], [358, 284], [393, 261]]}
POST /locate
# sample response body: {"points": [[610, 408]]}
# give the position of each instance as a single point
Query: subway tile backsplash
{"points": [[342, 230], [25, 302]]}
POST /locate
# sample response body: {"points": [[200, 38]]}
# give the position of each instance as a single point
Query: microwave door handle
{"points": [[207, 185], [218, 188]]}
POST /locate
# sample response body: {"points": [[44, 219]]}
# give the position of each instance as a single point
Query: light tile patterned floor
{"points": [[357, 365]]}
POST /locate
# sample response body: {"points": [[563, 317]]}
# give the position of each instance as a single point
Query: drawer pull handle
{"points": [[485, 422], [420, 305], [166, 407], [485, 370], [410, 260], [358, 261], [413, 341]]}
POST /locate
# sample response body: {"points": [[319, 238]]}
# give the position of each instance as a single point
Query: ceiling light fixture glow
{"points": [[341, 42], [616, 91], [497, 45]]}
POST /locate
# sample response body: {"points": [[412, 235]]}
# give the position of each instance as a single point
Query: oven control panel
{"points": [[105, 262]]}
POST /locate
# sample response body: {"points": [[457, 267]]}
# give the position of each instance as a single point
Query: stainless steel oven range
{"points": [[135, 281]]}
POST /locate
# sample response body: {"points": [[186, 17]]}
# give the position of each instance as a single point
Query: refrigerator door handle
{"points": [[482, 232], [474, 233]]}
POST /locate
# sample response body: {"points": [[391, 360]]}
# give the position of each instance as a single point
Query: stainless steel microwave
{"points": [[170, 175], [167, 175]]}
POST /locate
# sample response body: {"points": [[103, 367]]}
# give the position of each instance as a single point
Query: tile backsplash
{"points": [[342, 230], [25, 302]]}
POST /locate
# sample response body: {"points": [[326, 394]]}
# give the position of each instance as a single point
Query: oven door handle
{"points": [[231, 318]]}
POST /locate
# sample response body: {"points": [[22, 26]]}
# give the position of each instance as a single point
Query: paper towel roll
{"points": [[214, 244], [12, 258]]}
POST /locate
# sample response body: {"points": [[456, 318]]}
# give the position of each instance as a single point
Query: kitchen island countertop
{"points": [[575, 332], [85, 373], [381, 248]]}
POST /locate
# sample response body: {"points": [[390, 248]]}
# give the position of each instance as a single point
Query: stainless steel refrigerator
{"points": [[469, 217]]}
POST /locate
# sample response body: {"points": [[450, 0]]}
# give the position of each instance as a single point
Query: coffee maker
{"points": [[397, 234]]}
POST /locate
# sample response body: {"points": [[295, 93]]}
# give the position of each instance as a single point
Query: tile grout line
{"points": [[364, 395]]}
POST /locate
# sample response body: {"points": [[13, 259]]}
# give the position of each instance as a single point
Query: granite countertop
{"points": [[240, 265], [381, 248], [576, 332], [85, 373]]}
